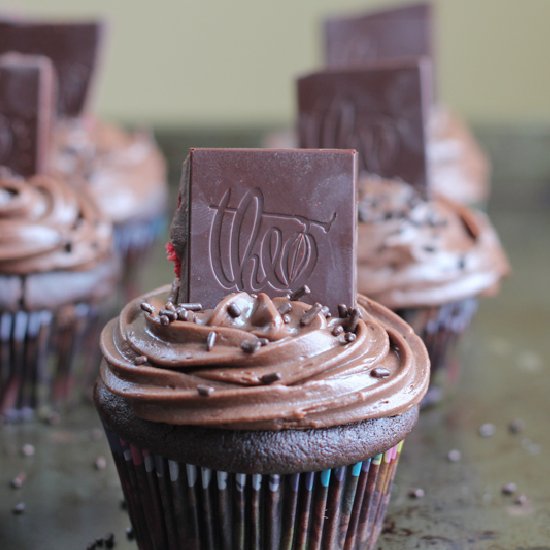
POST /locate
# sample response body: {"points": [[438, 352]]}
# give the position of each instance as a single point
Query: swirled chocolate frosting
{"points": [[413, 252], [255, 363], [124, 172], [46, 226]]}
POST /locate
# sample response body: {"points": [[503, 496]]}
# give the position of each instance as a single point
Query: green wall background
{"points": [[232, 62]]}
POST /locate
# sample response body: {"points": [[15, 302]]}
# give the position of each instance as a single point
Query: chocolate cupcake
{"points": [[429, 261], [56, 257], [259, 421], [123, 171]]}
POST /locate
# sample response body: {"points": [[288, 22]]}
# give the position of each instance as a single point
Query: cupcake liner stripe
{"points": [[174, 505]]}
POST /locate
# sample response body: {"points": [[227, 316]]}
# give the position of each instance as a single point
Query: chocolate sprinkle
{"points": [[27, 450], [140, 360], [170, 306], [164, 321], [18, 509], [192, 307], [250, 347], [355, 315], [487, 430], [326, 311], [183, 314], [234, 310], [302, 291], [285, 307], [336, 331], [271, 377], [286, 319], [204, 390], [521, 500], [310, 314], [148, 308], [516, 426], [417, 493], [342, 310], [350, 337], [130, 533], [509, 488], [263, 341], [454, 455], [172, 315], [100, 463], [380, 372], [18, 481], [210, 340]]}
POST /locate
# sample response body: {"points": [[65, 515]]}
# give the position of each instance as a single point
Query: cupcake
{"points": [[123, 171], [56, 267], [258, 421], [429, 261], [424, 256], [56, 258]]}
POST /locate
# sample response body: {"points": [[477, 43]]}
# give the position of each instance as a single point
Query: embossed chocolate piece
{"points": [[379, 36], [72, 46], [380, 111], [27, 101], [272, 221]]}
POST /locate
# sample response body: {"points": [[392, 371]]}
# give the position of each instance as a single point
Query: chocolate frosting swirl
{"points": [[123, 171], [275, 364], [45, 226], [413, 252]]}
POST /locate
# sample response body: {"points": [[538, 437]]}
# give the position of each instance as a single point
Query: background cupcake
{"points": [[56, 259], [123, 171], [259, 422]]}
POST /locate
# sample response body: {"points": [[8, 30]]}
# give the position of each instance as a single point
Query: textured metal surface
{"points": [[505, 376]]}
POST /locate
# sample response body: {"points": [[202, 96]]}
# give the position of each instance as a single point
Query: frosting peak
{"points": [[258, 363]]}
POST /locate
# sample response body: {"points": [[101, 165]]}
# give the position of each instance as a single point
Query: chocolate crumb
{"points": [[204, 390], [350, 337], [18, 509], [286, 319], [336, 331], [27, 450], [454, 455], [234, 310], [164, 321], [250, 347], [487, 430], [417, 493], [342, 310], [148, 308], [18, 481], [210, 340], [509, 488], [140, 360], [100, 463], [302, 291], [380, 372], [521, 500], [310, 314], [516, 426], [270, 378], [285, 307]]}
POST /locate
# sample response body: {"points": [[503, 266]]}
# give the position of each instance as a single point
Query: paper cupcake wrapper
{"points": [[38, 357], [174, 505], [441, 328]]}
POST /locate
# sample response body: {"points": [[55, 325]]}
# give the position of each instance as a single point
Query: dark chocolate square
{"points": [[380, 111], [27, 103], [267, 220], [383, 35], [72, 46]]}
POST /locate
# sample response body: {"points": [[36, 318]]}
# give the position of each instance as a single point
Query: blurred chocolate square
{"points": [[267, 220], [27, 108], [379, 111], [383, 35], [73, 48]]}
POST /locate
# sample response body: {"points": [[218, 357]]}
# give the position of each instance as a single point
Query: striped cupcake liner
{"points": [[441, 328], [174, 505], [39, 356]]}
